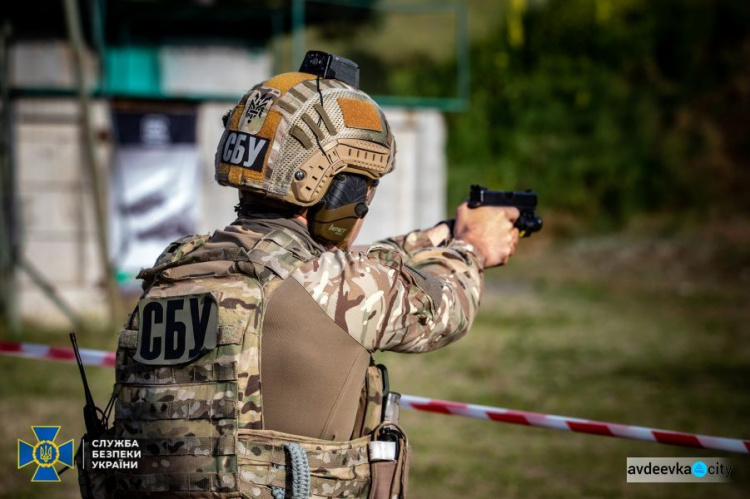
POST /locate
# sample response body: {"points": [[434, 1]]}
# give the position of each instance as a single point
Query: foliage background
{"points": [[607, 108], [612, 108]]}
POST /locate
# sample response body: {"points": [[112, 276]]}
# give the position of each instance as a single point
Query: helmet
{"points": [[290, 136]]}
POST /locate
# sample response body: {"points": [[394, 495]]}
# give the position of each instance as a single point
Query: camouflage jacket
{"points": [[406, 294]]}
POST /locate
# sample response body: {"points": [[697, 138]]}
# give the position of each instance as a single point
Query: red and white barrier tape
{"points": [[575, 424], [46, 352], [499, 414]]}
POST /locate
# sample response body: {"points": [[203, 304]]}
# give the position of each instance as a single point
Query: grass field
{"points": [[646, 327]]}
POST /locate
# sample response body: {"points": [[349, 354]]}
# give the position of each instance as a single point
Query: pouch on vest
{"points": [[389, 454], [370, 411], [333, 469]]}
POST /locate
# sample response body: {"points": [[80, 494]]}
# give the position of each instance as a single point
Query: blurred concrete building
{"points": [[48, 196]]}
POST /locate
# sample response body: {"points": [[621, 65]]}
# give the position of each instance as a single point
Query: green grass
{"points": [[43, 393], [636, 328], [632, 328]]}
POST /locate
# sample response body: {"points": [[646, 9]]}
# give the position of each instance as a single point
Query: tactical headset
{"points": [[333, 219]]}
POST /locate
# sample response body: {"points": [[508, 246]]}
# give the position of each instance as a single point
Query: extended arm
{"points": [[417, 292], [388, 302]]}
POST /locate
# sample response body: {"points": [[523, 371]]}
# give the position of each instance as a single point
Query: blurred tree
{"points": [[608, 108]]}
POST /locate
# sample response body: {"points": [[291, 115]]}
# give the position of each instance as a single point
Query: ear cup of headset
{"points": [[346, 189], [344, 203]]}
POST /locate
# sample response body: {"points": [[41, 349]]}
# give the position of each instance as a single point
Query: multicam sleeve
{"points": [[404, 294], [409, 244]]}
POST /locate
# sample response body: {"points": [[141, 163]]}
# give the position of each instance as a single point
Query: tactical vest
{"points": [[188, 385]]}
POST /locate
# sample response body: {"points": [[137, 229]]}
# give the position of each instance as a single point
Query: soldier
{"points": [[246, 369]]}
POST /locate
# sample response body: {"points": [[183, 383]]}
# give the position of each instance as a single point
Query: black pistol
{"points": [[528, 222]]}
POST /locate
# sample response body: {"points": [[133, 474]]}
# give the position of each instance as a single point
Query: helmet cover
{"points": [[289, 136]]}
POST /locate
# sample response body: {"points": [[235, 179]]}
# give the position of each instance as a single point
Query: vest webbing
{"points": [[186, 417]]}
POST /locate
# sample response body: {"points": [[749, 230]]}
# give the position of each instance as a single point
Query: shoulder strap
{"points": [[183, 246], [277, 251]]}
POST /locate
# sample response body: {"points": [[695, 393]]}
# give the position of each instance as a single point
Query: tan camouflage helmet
{"points": [[290, 135]]}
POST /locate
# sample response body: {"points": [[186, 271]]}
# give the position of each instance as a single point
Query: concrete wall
{"points": [[413, 195], [47, 64], [56, 210]]}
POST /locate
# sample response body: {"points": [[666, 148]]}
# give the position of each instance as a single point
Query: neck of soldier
{"points": [[331, 246], [303, 220]]}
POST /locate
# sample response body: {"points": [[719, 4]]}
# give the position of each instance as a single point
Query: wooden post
{"points": [[90, 163], [8, 212]]}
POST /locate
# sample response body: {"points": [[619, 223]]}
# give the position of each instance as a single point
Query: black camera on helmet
{"points": [[327, 65]]}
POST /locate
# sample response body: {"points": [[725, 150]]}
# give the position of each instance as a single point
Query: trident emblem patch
{"points": [[46, 454]]}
